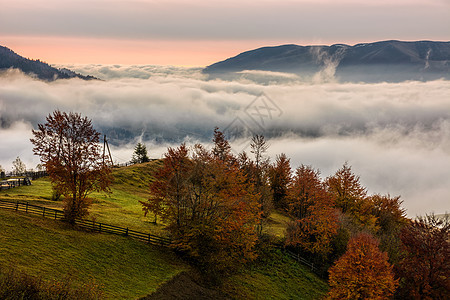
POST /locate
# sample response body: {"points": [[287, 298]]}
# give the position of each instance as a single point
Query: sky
{"points": [[199, 33]]}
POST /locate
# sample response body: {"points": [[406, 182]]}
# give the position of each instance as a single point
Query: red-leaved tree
{"points": [[69, 149], [424, 267]]}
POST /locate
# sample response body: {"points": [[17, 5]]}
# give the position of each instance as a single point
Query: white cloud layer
{"points": [[395, 135]]}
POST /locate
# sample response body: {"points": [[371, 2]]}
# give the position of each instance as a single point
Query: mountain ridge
{"points": [[379, 61], [9, 59]]}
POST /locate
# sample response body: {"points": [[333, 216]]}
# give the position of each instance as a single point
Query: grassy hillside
{"points": [[121, 207], [275, 276], [126, 269]]}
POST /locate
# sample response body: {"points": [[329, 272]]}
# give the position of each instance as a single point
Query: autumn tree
{"points": [[280, 178], [315, 218], [363, 272], [424, 267], [207, 205], [351, 197], [390, 219], [69, 149], [140, 154], [170, 187], [19, 166]]}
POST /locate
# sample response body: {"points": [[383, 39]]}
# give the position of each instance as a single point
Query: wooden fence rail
{"points": [[314, 268], [30, 174], [86, 224]]}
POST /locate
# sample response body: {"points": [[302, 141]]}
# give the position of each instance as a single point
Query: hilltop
{"points": [[391, 61], [11, 60]]}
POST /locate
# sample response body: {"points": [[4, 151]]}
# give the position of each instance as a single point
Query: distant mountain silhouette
{"points": [[9, 59], [391, 61]]}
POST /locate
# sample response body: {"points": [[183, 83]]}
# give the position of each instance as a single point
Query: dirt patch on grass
{"points": [[186, 285]]}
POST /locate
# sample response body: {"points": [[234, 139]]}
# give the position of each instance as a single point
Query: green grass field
{"points": [[124, 268], [276, 276], [121, 207], [127, 269]]}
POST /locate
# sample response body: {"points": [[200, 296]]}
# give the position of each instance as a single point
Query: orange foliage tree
{"points": [[363, 272], [315, 218], [208, 205], [69, 149], [351, 197]]}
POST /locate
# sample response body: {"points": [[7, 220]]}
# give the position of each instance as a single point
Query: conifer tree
{"points": [[140, 154]]}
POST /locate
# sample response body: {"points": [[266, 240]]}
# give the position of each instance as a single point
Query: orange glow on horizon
{"points": [[189, 53], [62, 50]]}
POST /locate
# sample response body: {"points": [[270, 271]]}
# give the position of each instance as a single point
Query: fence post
{"points": [[149, 238], [26, 208], [55, 214], [43, 211], [17, 205], [100, 227], [126, 234]]}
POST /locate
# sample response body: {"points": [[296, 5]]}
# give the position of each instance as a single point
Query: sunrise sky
{"points": [[198, 33]]}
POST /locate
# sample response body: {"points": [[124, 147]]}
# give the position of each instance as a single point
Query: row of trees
{"points": [[371, 249], [216, 204]]}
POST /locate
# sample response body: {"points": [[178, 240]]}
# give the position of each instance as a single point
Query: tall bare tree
{"points": [[19, 166]]}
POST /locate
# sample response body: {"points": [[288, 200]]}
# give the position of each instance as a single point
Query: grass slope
{"points": [[275, 276], [126, 269], [121, 207]]}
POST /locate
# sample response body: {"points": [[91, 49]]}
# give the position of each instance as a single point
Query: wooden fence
{"points": [[314, 268], [30, 174], [86, 224], [300, 259]]}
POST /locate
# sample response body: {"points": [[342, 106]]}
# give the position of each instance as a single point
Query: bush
{"points": [[18, 285]]}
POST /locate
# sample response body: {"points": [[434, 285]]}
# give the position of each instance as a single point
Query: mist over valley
{"points": [[396, 136]]}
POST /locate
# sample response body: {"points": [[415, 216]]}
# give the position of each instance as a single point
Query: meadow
{"points": [[127, 269]]}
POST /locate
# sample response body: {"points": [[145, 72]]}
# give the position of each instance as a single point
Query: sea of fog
{"points": [[396, 136]]}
